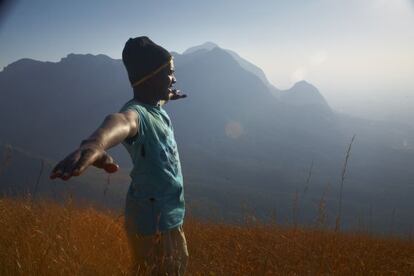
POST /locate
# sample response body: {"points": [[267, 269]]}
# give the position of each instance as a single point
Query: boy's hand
{"points": [[176, 95], [77, 162]]}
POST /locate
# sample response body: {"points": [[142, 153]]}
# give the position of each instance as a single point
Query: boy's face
{"points": [[164, 81]]}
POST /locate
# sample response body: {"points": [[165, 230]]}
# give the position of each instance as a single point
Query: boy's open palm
{"points": [[79, 160]]}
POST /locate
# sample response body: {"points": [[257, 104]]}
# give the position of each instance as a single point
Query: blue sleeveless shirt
{"points": [[155, 199]]}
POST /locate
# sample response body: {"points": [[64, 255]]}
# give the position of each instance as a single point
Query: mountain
{"points": [[303, 93], [239, 143], [245, 64]]}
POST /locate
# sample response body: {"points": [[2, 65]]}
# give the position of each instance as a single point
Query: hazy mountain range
{"points": [[242, 141]]}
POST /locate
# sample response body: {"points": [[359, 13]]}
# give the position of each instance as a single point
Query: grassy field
{"points": [[51, 239]]}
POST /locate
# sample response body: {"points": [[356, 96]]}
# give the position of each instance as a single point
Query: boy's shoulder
{"points": [[129, 105], [136, 106]]}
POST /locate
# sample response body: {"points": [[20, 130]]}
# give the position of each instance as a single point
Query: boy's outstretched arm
{"points": [[92, 151]]}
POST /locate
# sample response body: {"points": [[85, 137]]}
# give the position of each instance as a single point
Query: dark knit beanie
{"points": [[141, 57]]}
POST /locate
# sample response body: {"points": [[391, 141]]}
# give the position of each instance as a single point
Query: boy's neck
{"points": [[145, 98]]}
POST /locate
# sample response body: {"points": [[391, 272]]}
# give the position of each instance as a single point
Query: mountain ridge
{"points": [[97, 59]]}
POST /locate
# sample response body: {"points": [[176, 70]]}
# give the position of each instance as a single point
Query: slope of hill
{"points": [[50, 239]]}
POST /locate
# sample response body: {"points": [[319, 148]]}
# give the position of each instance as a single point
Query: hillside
{"points": [[50, 239]]}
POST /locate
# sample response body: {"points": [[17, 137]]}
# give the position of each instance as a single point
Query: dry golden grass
{"points": [[50, 239]]}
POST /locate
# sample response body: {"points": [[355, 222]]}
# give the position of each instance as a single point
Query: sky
{"points": [[358, 53]]}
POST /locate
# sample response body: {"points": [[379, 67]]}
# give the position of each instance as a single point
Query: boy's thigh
{"points": [[168, 243], [179, 242], [144, 248], [175, 253], [169, 247]]}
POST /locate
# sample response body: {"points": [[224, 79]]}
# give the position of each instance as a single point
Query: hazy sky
{"points": [[357, 52]]}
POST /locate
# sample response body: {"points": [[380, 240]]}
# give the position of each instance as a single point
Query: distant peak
{"points": [[304, 86], [205, 46], [302, 83], [209, 44], [80, 57], [303, 93]]}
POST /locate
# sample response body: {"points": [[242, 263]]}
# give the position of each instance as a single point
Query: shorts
{"points": [[164, 253]]}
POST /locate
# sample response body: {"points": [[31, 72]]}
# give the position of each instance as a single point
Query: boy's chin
{"points": [[166, 97]]}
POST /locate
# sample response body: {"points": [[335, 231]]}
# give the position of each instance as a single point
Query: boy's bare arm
{"points": [[92, 151]]}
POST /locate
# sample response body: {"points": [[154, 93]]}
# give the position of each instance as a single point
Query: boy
{"points": [[154, 209]]}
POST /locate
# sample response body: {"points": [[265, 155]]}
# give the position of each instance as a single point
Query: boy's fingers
{"points": [[67, 170], [64, 168], [176, 94], [107, 163], [111, 167], [66, 175], [55, 173], [57, 170], [102, 160], [181, 96], [80, 168], [84, 161], [60, 171]]}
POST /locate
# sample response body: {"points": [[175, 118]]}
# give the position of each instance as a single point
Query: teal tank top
{"points": [[155, 199]]}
